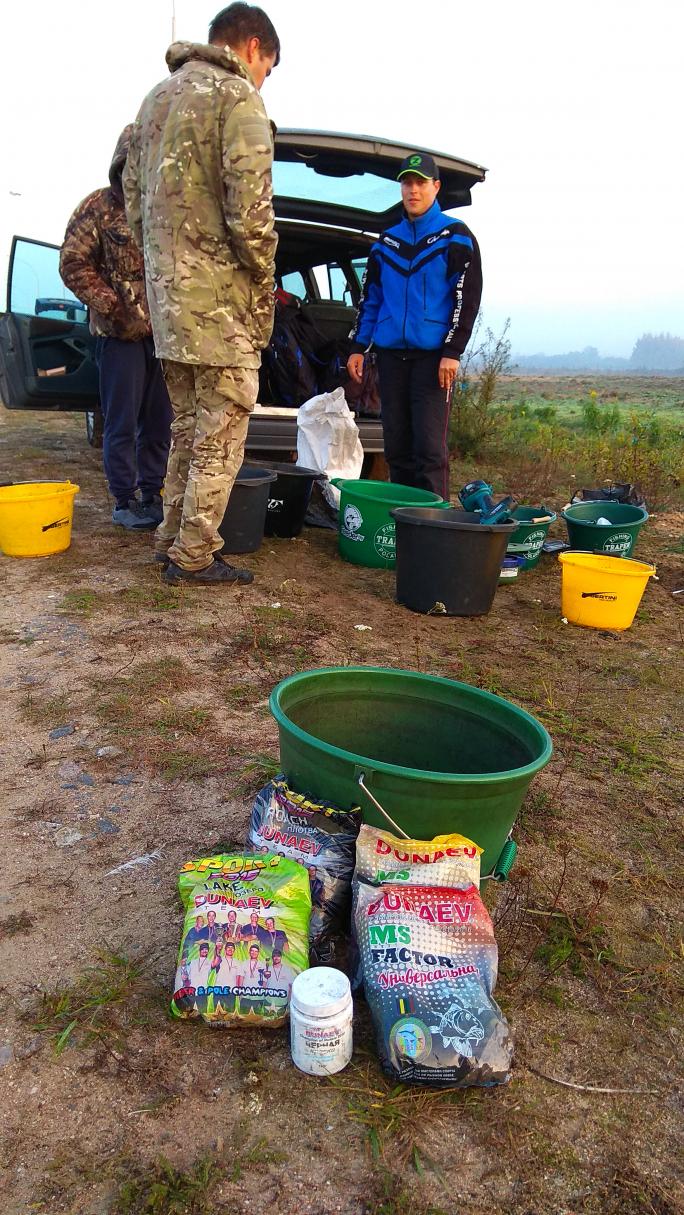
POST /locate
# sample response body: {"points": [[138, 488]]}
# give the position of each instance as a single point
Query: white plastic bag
{"points": [[328, 440]]}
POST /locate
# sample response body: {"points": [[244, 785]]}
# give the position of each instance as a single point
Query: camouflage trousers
{"points": [[211, 408]]}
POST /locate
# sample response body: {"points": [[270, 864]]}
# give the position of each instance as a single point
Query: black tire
{"points": [[93, 420]]}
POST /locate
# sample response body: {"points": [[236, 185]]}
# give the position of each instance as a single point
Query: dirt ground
{"points": [[136, 722]]}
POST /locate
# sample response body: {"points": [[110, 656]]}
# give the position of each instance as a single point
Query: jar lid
{"points": [[320, 992]]}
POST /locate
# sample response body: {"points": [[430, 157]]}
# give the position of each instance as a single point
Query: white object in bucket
{"points": [[321, 1013]]}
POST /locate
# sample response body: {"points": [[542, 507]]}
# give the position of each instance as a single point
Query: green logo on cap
{"points": [[415, 160]]}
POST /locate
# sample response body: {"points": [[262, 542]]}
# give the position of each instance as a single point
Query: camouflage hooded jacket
{"points": [[101, 263], [199, 201]]}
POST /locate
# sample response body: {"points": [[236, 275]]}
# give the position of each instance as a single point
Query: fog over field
{"points": [[569, 106]]}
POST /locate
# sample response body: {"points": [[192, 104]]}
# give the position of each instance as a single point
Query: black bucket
{"points": [[288, 499], [242, 528], [448, 564]]}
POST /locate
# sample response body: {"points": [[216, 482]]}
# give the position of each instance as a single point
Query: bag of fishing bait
{"points": [[245, 938], [429, 963], [447, 860], [322, 838]]}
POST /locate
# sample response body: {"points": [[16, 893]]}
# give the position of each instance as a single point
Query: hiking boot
{"points": [[135, 517], [162, 559], [219, 573], [154, 507]]}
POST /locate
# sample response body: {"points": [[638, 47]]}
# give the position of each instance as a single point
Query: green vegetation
{"points": [[164, 1190], [536, 440], [47, 712], [98, 1006], [255, 772], [79, 603], [394, 1117], [179, 764]]}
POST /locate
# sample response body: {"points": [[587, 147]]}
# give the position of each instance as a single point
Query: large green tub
{"points": [[438, 755]]}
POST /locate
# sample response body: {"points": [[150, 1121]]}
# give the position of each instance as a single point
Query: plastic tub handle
{"points": [[505, 862]]}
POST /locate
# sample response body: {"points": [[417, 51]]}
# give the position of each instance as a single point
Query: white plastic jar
{"points": [[321, 1013]]}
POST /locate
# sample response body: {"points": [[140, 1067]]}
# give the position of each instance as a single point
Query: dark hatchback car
{"points": [[333, 194]]}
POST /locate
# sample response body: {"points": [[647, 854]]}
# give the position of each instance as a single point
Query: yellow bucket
{"points": [[35, 518], [602, 592]]}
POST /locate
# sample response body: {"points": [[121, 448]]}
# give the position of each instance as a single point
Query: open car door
{"points": [[47, 353]]}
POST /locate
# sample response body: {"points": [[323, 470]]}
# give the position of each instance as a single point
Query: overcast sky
{"points": [[574, 107]]}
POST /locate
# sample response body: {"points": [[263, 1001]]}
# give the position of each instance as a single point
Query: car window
{"points": [[294, 283], [332, 283], [359, 268], [363, 191], [35, 288]]}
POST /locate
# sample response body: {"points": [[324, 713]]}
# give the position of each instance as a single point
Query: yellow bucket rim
{"points": [[29, 491], [625, 566]]}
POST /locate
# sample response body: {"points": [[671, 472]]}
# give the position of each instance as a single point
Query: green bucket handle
{"points": [[505, 862]]}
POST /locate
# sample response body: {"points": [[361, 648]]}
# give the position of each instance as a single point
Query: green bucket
{"points": [[529, 537], [438, 756], [367, 535], [588, 536]]}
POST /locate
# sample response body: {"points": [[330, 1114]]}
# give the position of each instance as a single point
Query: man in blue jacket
{"points": [[421, 294]]}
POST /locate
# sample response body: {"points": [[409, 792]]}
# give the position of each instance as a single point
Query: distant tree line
{"points": [[658, 352], [654, 352]]}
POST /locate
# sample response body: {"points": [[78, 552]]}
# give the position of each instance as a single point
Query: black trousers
{"points": [[137, 417], [415, 419]]}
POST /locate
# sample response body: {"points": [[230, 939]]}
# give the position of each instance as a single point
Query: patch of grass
{"points": [[171, 720], [629, 1193], [256, 771], [659, 975], [393, 1198], [98, 1006], [48, 712], [118, 711], [12, 925], [37, 759], [185, 765], [241, 695], [165, 1190], [260, 1153], [79, 603], [395, 1118], [274, 616], [154, 598], [637, 750], [573, 942]]}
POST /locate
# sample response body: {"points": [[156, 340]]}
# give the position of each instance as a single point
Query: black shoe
{"points": [[135, 517], [154, 507], [219, 573], [162, 559]]}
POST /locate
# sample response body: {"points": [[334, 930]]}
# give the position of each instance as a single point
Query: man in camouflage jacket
{"points": [[199, 201], [101, 263]]}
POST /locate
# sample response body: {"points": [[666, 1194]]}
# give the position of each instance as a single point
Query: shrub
{"points": [[474, 417], [598, 419]]}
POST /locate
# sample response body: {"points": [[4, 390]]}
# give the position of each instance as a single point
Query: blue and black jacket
{"points": [[422, 287]]}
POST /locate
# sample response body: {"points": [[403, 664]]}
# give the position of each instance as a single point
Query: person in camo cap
{"points": [[101, 263], [199, 201]]}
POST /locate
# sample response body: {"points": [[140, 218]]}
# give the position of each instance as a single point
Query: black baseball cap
{"points": [[421, 163]]}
